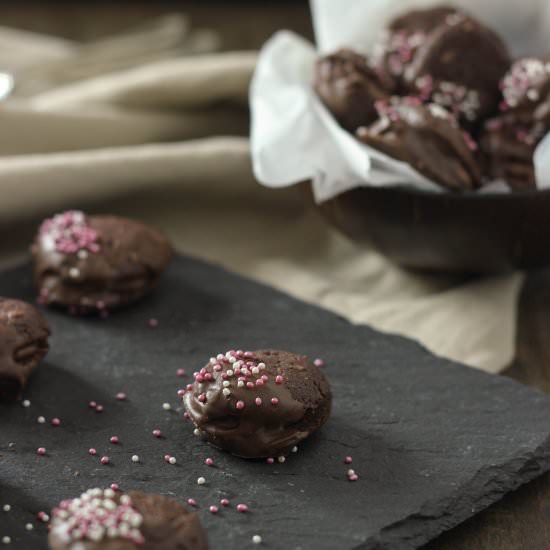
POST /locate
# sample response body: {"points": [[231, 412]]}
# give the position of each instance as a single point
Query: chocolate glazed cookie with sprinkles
{"points": [[23, 343], [258, 404], [510, 139], [107, 520], [446, 57], [97, 263], [349, 88], [427, 137]]}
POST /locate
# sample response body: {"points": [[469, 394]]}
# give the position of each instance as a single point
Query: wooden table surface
{"points": [[521, 520]]}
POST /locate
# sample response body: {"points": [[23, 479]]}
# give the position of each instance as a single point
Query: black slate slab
{"points": [[433, 442]]}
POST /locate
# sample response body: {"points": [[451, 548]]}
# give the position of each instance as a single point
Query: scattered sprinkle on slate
{"points": [[431, 442]]}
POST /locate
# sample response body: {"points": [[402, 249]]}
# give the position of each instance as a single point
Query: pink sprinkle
{"points": [[42, 516], [319, 362], [209, 462], [115, 487], [224, 502], [258, 401], [121, 396], [157, 433], [213, 509], [259, 382], [274, 401], [105, 460], [92, 404], [56, 422], [239, 405], [250, 385], [99, 409], [186, 415], [92, 451], [192, 502], [353, 477], [153, 323], [348, 460], [278, 379], [199, 378], [181, 392], [208, 376], [180, 372], [265, 378], [270, 460], [114, 440], [189, 387], [41, 451], [242, 508], [167, 458], [202, 398]]}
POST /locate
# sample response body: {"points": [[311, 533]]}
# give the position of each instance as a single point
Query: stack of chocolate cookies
{"points": [[440, 92]]}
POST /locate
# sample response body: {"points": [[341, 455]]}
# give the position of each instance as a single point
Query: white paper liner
{"points": [[293, 136]]}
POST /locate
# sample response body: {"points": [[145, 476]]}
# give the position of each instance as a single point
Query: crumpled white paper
{"points": [[293, 136]]}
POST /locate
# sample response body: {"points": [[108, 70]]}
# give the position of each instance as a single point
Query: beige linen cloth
{"points": [[162, 136]]}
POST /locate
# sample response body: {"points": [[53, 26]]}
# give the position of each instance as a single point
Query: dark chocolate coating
{"points": [[463, 59], [267, 430], [127, 266], [428, 138], [510, 139], [167, 525], [23, 343], [349, 88]]}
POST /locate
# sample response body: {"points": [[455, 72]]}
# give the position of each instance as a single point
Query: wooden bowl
{"points": [[459, 233]]}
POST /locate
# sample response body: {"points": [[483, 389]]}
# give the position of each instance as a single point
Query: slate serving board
{"points": [[432, 441]]}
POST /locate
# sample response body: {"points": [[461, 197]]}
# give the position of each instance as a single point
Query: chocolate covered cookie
{"points": [[510, 139], [348, 87], [23, 343], [96, 263], [428, 138], [258, 404], [107, 520], [446, 57]]}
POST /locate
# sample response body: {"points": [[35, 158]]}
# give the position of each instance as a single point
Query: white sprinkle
{"points": [[240, 384], [6, 507], [166, 406], [255, 370], [256, 539], [26, 403], [172, 460], [82, 254], [196, 432], [294, 449], [41, 420], [6, 540], [135, 458], [351, 472], [201, 481], [74, 272], [226, 391], [281, 459], [226, 383], [29, 526], [229, 372]]}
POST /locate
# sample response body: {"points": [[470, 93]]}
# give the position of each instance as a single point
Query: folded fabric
{"points": [[124, 142]]}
